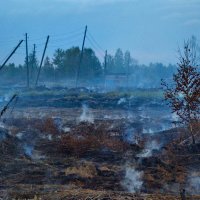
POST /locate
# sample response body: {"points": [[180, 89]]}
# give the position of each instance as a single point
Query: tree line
{"points": [[64, 63]]}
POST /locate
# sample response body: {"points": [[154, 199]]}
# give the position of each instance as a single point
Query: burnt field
{"points": [[82, 144]]}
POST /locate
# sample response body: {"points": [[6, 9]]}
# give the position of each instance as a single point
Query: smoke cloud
{"points": [[86, 115], [133, 180], [149, 147]]}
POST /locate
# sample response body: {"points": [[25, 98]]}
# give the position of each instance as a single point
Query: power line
{"points": [[69, 36], [94, 47], [97, 47], [58, 37], [38, 38], [65, 44], [9, 40], [60, 41], [66, 39], [92, 38], [69, 32]]}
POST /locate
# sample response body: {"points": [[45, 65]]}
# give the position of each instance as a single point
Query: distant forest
{"points": [[62, 68]]}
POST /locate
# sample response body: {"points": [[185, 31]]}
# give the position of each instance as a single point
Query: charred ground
{"points": [[81, 144]]}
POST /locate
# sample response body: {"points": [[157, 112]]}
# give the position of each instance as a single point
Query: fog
{"points": [[99, 100]]}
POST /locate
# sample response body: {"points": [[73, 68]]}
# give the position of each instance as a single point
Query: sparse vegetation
{"points": [[184, 96]]}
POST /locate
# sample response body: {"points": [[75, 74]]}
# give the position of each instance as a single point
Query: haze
{"points": [[152, 30]]}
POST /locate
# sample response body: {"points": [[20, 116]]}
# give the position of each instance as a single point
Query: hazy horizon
{"points": [[151, 31]]}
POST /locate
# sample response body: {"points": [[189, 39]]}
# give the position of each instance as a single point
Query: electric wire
{"points": [[69, 32], [94, 47], [63, 40], [93, 39]]}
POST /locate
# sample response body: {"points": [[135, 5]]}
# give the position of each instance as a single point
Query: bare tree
{"points": [[183, 96]]}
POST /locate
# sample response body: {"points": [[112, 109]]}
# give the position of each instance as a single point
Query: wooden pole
{"points": [[11, 54], [7, 105], [36, 83], [81, 57]]}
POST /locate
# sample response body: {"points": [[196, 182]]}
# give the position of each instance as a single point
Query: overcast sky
{"points": [[151, 29]]}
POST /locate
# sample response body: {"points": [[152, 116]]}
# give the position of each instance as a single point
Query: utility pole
{"points": [[1, 67], [42, 61], [81, 57], [26, 36], [105, 68], [7, 105]]}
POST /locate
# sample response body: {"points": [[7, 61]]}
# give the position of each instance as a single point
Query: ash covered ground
{"points": [[82, 144]]}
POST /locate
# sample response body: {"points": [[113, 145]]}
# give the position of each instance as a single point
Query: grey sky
{"points": [[151, 29]]}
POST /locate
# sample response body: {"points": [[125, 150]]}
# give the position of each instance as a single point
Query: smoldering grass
{"points": [[133, 179], [86, 115]]}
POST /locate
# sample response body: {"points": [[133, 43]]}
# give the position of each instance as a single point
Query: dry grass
{"points": [[47, 126], [44, 126], [88, 137], [79, 145], [84, 169]]}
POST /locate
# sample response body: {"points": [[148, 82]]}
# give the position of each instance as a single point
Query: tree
{"points": [[66, 63], [119, 61], [58, 58], [48, 69], [110, 64], [61, 62], [127, 61], [184, 96], [33, 65], [71, 61], [91, 66]]}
